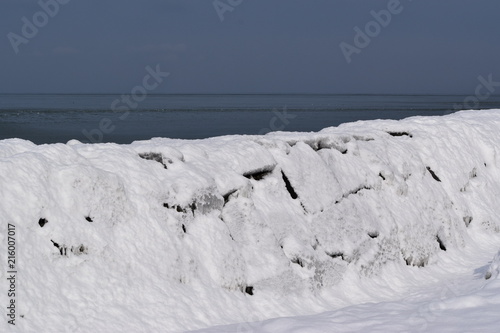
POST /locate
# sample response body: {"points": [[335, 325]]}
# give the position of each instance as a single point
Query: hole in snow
{"points": [[89, 219], [467, 220], [373, 234], [289, 187], [158, 157], [249, 290], [336, 255], [433, 174], [227, 195], [193, 207], [400, 134], [62, 248], [42, 222], [297, 261], [441, 244], [259, 175]]}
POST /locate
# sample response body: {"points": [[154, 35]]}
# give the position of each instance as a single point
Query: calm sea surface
{"points": [[104, 118]]}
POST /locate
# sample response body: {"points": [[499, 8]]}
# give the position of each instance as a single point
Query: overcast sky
{"points": [[261, 46]]}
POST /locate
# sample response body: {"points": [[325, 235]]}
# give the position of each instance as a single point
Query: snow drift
{"points": [[170, 235]]}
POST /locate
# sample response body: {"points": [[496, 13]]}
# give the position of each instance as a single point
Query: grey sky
{"points": [[262, 46]]}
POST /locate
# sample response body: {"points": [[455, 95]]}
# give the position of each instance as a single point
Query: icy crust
{"points": [[188, 234]]}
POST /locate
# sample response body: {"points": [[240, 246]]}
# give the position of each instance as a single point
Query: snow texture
{"points": [[172, 235]]}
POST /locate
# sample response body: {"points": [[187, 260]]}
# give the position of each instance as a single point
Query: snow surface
{"points": [[379, 226]]}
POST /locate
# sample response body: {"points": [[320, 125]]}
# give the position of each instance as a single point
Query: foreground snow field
{"points": [[379, 225]]}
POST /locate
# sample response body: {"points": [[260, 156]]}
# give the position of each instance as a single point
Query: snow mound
{"points": [[494, 268], [187, 234]]}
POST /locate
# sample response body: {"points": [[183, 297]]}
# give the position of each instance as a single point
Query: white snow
{"points": [[370, 226]]}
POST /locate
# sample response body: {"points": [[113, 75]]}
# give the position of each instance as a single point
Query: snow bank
{"points": [[170, 235]]}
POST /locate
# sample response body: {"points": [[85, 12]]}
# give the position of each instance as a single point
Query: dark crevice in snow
{"points": [[193, 207], [343, 151], [355, 191], [62, 248], [89, 219], [441, 244], [297, 261], [249, 290], [433, 174], [177, 208], [227, 195], [158, 157], [467, 220], [42, 222], [184, 228], [259, 174], [246, 289], [77, 250], [400, 134], [381, 175], [289, 187], [373, 234], [337, 255], [358, 189]]}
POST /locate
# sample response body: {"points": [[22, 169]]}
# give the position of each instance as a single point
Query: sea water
{"points": [[96, 118]]}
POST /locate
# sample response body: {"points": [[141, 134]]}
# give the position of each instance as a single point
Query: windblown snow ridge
{"points": [[148, 228]]}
